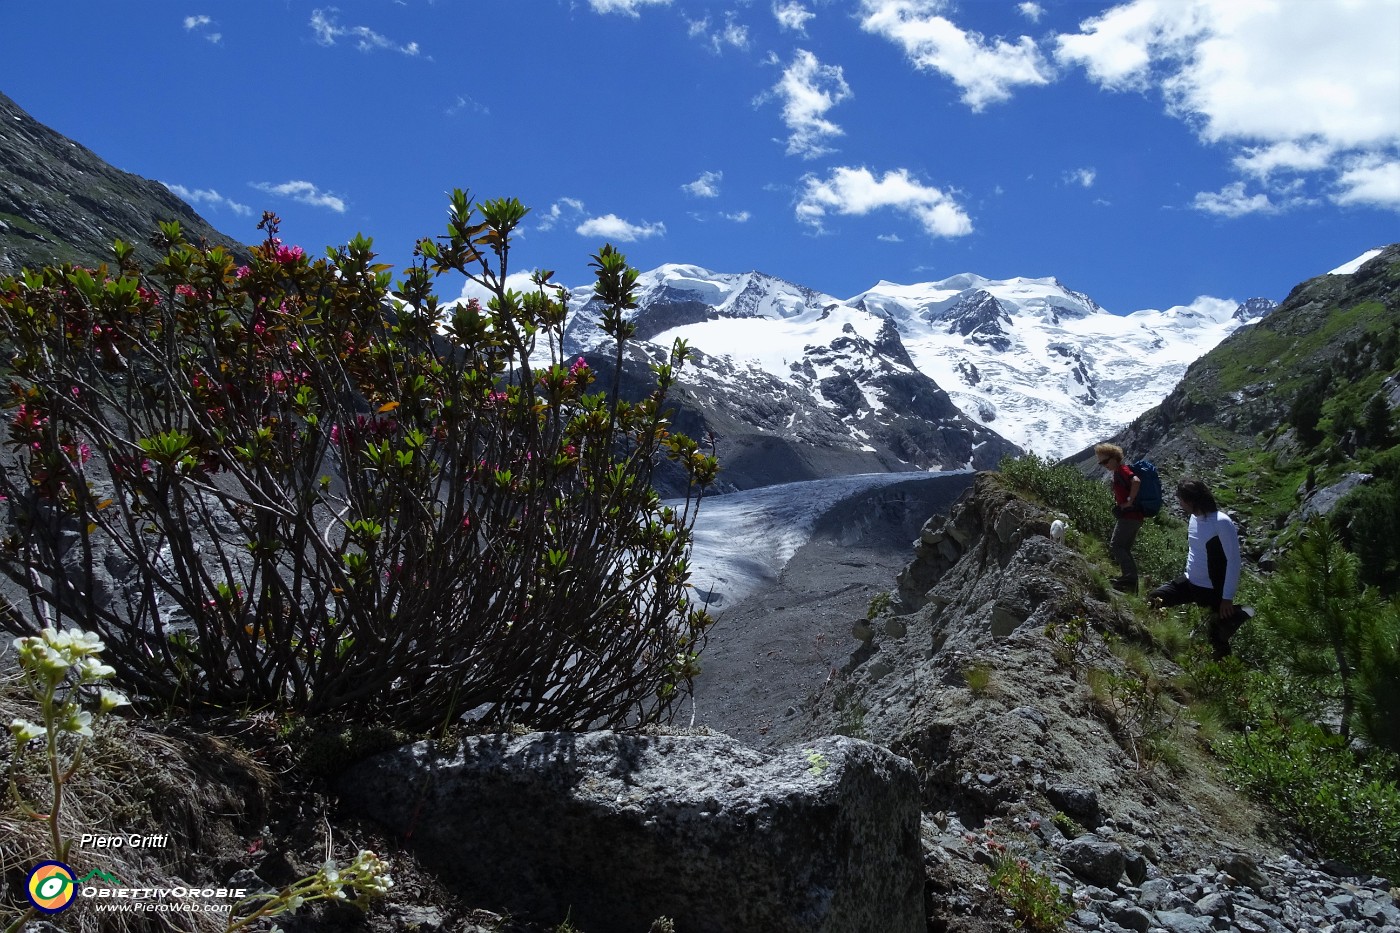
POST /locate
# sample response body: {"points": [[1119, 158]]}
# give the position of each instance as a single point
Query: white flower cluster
{"points": [[368, 874], [52, 657]]}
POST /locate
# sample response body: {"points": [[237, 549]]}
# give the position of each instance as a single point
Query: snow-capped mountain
{"points": [[1046, 365], [794, 384], [1042, 365]]}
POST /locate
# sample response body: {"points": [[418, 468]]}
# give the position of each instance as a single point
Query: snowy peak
{"points": [[1349, 267], [675, 295], [748, 294], [1254, 309], [1042, 298], [1044, 366]]}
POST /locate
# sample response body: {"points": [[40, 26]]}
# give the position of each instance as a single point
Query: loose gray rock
{"points": [[616, 830], [1082, 803], [1244, 869], [1095, 860], [1178, 922], [1136, 866], [1129, 916], [1215, 905]]}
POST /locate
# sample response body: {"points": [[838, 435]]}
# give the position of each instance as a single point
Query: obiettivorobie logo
{"points": [[52, 888]]}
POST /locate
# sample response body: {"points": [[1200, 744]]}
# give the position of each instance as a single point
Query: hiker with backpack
{"points": [[1212, 567], [1132, 490]]}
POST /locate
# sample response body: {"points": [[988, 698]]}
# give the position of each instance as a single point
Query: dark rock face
{"points": [[61, 203], [979, 317], [618, 830], [769, 431], [672, 309], [1255, 307], [1082, 803]]}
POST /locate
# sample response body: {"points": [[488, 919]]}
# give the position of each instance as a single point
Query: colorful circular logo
{"points": [[51, 887]]}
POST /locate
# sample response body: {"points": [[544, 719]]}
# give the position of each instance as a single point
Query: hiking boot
{"points": [[1125, 584], [1228, 627], [1222, 630]]}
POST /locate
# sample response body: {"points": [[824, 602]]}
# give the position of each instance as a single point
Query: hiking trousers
{"points": [[1181, 591], [1120, 546]]}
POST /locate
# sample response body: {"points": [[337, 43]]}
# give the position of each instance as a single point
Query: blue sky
{"points": [[1145, 152]]}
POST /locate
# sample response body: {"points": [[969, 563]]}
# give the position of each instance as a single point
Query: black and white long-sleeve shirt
{"points": [[1213, 553]]}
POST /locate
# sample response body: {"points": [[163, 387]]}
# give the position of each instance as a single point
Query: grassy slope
{"points": [[1227, 418]]}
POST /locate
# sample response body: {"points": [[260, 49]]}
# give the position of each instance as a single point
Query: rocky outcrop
{"points": [[980, 676], [616, 830], [989, 559]]}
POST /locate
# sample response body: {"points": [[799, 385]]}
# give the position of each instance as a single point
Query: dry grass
{"points": [[136, 777]]}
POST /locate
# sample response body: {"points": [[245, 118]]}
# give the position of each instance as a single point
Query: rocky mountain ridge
{"points": [[1247, 384], [1041, 364], [60, 202]]}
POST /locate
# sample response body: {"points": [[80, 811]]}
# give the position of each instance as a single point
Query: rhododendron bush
{"points": [[289, 484]]}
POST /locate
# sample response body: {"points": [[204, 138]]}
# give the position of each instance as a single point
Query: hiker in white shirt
{"points": [[1212, 566]]}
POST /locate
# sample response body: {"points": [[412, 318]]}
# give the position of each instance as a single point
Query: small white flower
{"points": [[93, 669], [79, 723], [23, 730], [111, 700]]}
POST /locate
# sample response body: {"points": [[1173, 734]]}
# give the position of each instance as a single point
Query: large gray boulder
{"points": [[617, 830]]}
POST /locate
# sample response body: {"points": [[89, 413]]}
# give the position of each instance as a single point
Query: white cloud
{"points": [[328, 32], [731, 34], [1370, 181], [196, 197], [1297, 87], [856, 191], [1117, 48], [792, 15], [560, 210], [808, 90], [1298, 156], [303, 191], [706, 186], [465, 104], [613, 227], [516, 281], [739, 217], [890, 238], [200, 23], [1231, 201], [986, 71], [1031, 11], [1082, 176], [625, 7]]}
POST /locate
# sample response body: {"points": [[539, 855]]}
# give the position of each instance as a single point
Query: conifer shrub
{"points": [[1333, 634], [292, 485]]}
